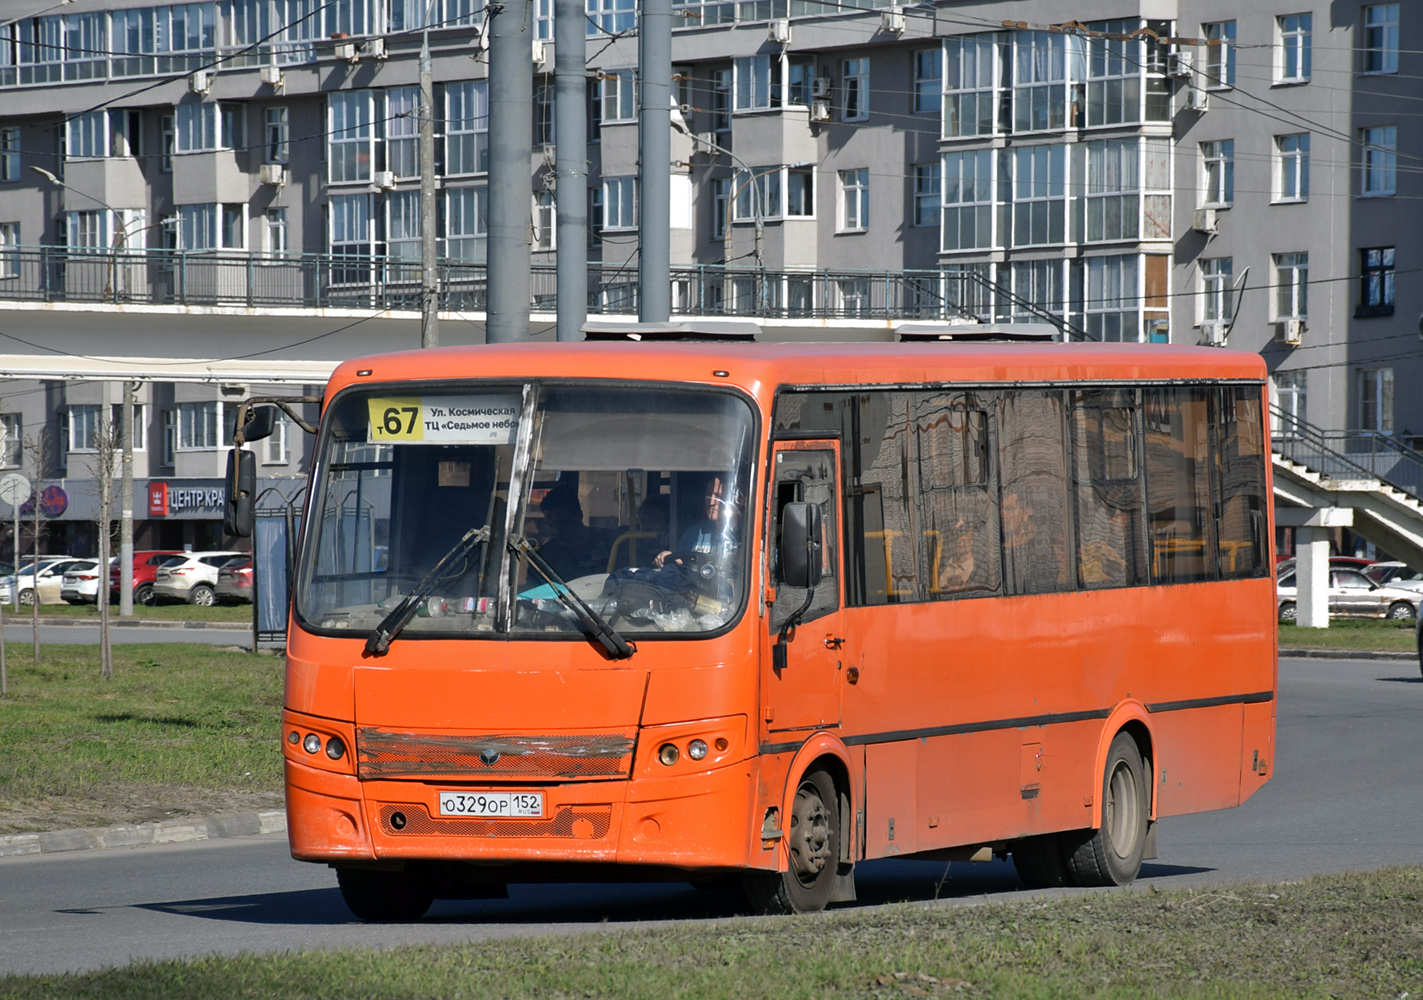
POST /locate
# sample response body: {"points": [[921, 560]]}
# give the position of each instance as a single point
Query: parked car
{"points": [[234, 581], [1284, 566], [80, 583], [145, 565], [192, 578], [1395, 574], [1352, 595], [48, 580]]}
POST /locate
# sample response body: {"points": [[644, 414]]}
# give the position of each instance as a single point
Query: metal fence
{"points": [[217, 278], [1348, 454]]}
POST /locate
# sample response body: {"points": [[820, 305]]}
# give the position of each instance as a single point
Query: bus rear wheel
{"points": [[1111, 855], [385, 897], [813, 846]]}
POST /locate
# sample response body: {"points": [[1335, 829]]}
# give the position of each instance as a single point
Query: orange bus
{"points": [[698, 610]]}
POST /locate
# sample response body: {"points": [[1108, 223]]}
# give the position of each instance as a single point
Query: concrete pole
{"points": [[654, 133], [511, 140], [570, 97], [1312, 577], [429, 265], [126, 506]]}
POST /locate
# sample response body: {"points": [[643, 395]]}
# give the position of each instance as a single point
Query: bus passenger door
{"points": [[804, 693]]}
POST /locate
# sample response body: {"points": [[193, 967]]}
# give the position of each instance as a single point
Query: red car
{"points": [[144, 565], [234, 581]]}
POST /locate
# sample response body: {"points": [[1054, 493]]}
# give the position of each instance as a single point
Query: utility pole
{"points": [[570, 94], [430, 277], [511, 140], [654, 134], [125, 510]]}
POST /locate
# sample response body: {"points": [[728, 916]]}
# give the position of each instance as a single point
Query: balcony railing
{"points": [[377, 283], [1349, 453]]}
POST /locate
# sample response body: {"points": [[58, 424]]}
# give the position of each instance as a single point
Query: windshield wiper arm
{"points": [[378, 642], [617, 647]]}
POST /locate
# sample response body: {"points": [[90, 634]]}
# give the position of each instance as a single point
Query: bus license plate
{"points": [[492, 805]]}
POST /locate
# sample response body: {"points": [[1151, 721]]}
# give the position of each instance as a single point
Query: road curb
{"points": [[168, 831], [1346, 654], [130, 623]]}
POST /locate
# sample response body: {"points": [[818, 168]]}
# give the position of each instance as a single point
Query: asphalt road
{"points": [[1345, 797]]}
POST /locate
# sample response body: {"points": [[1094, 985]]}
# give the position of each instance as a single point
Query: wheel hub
{"points": [[810, 835]]}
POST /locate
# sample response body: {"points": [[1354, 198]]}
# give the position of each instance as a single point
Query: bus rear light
{"points": [[667, 754]]}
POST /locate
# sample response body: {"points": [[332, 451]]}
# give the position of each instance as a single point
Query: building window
{"points": [[1219, 304], [467, 128], [610, 16], [88, 230], [968, 86], [199, 425], [545, 220], [204, 126], [855, 90], [757, 194], [402, 228], [1039, 81], [1113, 190], [9, 252], [84, 427], [800, 81], [758, 82], [1291, 285], [1220, 53], [9, 154], [543, 112], [1290, 398], [1380, 160], [854, 296], [351, 236], [854, 200], [140, 442], [968, 201], [277, 135], [350, 139], [1292, 179], [12, 440], [276, 232], [721, 99], [1376, 282], [1039, 195], [617, 94], [1381, 38], [800, 192], [402, 131], [595, 215], [928, 81], [1113, 302], [277, 451], [1294, 32], [87, 136], [1037, 283], [167, 141], [170, 436], [721, 193], [466, 223], [619, 203], [927, 193], [1218, 161], [212, 226], [1376, 400], [1114, 69]]}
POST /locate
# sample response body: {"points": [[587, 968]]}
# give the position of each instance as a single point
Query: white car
{"points": [[49, 581], [1352, 595], [80, 584], [1395, 574], [192, 577]]}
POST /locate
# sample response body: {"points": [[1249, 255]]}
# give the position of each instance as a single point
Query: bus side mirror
{"points": [[241, 493], [800, 545], [261, 421]]}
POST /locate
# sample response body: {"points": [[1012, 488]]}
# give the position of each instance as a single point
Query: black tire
{"points": [[381, 897], [813, 844], [1112, 854], [143, 594], [1399, 610], [1288, 611], [1042, 861], [202, 595]]}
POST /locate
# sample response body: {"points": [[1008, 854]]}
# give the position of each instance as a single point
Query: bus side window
{"points": [[958, 506], [1107, 473], [1240, 484], [1178, 487], [882, 518], [807, 477], [1032, 458]]}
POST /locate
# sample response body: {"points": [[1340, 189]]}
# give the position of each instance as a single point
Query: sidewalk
{"points": [[168, 831], [116, 622]]}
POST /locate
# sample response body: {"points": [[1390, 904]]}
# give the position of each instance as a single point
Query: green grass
{"points": [[1352, 633], [236, 613], [1351, 936], [180, 728]]}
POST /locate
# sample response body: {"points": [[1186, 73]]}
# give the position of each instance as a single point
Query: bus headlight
{"points": [[667, 753], [697, 749], [312, 743]]}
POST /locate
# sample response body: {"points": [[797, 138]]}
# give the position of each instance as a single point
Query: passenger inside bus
{"points": [[573, 549]]}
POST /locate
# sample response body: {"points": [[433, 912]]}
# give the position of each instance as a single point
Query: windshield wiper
{"points": [[617, 647], [378, 642]]}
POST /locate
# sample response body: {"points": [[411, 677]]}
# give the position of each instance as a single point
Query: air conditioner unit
{"points": [[200, 82], [1205, 221], [820, 86], [820, 111], [891, 19], [1213, 334], [1197, 99], [273, 76], [1183, 64], [346, 51], [384, 179], [779, 30], [539, 51], [375, 48], [274, 173], [1290, 331]]}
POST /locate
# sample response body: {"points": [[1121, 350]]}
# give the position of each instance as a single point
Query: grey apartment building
{"points": [[239, 179]]}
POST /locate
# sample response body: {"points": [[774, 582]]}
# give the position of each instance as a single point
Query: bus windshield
{"points": [[490, 502]]}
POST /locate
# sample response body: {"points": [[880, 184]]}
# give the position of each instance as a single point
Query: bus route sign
{"points": [[474, 419]]}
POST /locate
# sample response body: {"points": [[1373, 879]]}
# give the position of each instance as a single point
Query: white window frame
{"points": [[1291, 285], [1113, 290], [1040, 181], [276, 232], [1379, 161], [853, 215], [86, 136], [1217, 290], [9, 154], [1292, 168], [350, 127], [1113, 174], [467, 223], [804, 179], [721, 217], [1043, 66], [855, 89], [278, 448], [350, 225], [12, 440], [617, 95], [969, 182], [761, 188], [9, 252], [403, 225], [276, 147], [84, 427], [1039, 282], [200, 425], [545, 212], [467, 128], [1218, 64], [1114, 72], [928, 81], [140, 438], [1380, 49], [970, 69], [170, 436], [1293, 53], [620, 196], [1376, 400], [757, 82], [1218, 173], [213, 226], [928, 191], [402, 131]]}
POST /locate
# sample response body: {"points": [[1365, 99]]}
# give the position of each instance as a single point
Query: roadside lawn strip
{"points": [[1352, 634], [1348, 936]]}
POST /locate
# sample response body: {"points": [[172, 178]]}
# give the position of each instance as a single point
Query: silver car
{"points": [[1353, 595], [1395, 574]]}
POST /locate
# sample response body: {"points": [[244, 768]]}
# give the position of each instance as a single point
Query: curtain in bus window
{"points": [[958, 508], [1106, 470], [1032, 457], [1240, 475], [1177, 433], [883, 528]]}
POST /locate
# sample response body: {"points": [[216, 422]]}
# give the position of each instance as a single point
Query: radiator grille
{"points": [[383, 753]]}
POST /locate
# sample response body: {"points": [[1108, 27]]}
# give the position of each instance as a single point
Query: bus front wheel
{"points": [[813, 846], [1111, 855], [385, 897]]}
